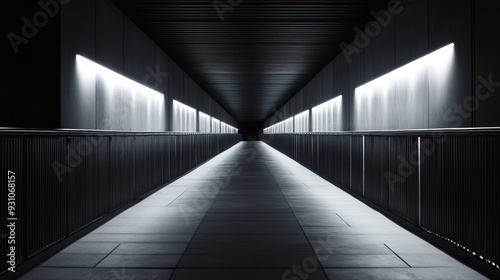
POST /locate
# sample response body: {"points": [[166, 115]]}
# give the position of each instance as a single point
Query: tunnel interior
{"points": [[367, 128]]}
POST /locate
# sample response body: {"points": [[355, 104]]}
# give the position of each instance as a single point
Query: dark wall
{"points": [[78, 37], [419, 29], [486, 61], [30, 74], [40, 85], [99, 31]]}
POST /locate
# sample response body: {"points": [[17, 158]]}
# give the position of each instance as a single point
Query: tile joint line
{"points": [[342, 219], [95, 266], [397, 255]]}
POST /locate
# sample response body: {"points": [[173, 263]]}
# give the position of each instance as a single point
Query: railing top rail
{"points": [[409, 132], [8, 132]]}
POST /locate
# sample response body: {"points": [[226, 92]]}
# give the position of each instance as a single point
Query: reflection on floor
{"points": [[251, 213]]}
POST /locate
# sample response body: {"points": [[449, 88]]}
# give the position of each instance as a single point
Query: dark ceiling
{"points": [[253, 56]]}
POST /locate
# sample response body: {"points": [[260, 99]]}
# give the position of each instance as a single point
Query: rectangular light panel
{"points": [[327, 117], [288, 125], [184, 118], [215, 125], [120, 103], [301, 122], [204, 121], [400, 99], [227, 129]]}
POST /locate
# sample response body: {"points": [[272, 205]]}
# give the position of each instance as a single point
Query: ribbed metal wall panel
{"points": [[122, 167], [403, 177], [345, 150], [334, 158], [103, 175], [376, 164], [143, 166], [46, 216], [158, 154], [445, 182], [327, 154], [13, 158], [460, 193], [357, 168], [491, 181], [165, 160], [85, 195], [65, 181]]}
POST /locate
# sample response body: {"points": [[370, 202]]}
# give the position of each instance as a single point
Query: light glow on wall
{"points": [[119, 103], [400, 99], [225, 128], [184, 118], [273, 129], [301, 122], [215, 125], [285, 126], [327, 117], [204, 121], [270, 130], [288, 125]]}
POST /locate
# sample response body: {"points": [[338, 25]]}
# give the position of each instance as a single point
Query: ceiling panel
{"points": [[255, 55]]}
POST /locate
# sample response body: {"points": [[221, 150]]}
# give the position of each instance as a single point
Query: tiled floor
{"points": [[251, 213]]}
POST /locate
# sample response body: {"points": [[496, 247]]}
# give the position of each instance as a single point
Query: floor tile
{"points": [[266, 217], [256, 260], [150, 249], [43, 273], [140, 261], [135, 238], [403, 273], [357, 261], [74, 260], [429, 260], [90, 248], [245, 274]]}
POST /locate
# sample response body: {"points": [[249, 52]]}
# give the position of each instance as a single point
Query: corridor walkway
{"points": [[251, 213]]}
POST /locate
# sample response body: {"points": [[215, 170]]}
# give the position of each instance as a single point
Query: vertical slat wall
{"points": [[448, 183], [460, 193], [85, 195], [334, 158], [376, 165], [122, 167], [46, 217], [357, 168], [96, 174], [403, 177], [12, 158]]}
